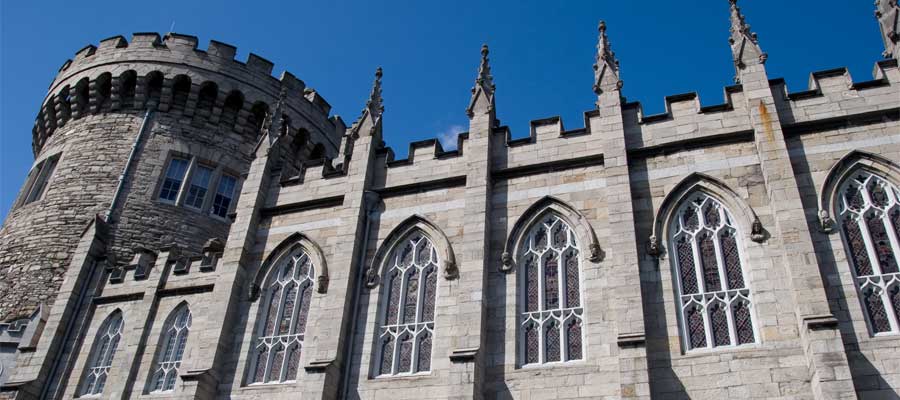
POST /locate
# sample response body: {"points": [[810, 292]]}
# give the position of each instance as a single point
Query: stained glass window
{"points": [[868, 209], [552, 313], [714, 299], [102, 355], [171, 350], [407, 323], [281, 328]]}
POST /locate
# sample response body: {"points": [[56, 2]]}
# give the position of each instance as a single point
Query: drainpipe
{"points": [[370, 200], [128, 164]]}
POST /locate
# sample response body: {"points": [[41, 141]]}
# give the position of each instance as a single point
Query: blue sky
{"points": [[541, 53]]}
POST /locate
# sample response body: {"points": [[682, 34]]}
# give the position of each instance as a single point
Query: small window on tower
{"points": [[174, 177], [41, 176], [199, 186], [224, 196]]}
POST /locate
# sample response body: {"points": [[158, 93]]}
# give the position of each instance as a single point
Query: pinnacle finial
{"points": [[375, 104], [888, 14], [744, 44], [606, 66], [484, 83]]}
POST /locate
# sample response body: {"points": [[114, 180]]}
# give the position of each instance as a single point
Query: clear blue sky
{"points": [[541, 53]]}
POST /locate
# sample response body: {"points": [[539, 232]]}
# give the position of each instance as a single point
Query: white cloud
{"points": [[448, 136]]}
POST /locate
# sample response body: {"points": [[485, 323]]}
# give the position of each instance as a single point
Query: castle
{"points": [[193, 227]]}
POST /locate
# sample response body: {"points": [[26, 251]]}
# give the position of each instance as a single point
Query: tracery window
{"points": [[281, 328], [714, 302], [406, 330], [171, 350], [869, 213], [552, 313], [97, 368]]}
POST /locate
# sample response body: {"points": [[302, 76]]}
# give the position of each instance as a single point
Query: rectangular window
{"points": [[224, 195], [199, 186], [174, 177], [39, 184]]}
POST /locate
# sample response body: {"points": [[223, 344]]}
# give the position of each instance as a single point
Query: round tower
{"points": [[154, 135]]}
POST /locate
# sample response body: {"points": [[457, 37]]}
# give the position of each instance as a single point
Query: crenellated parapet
{"points": [[170, 74]]}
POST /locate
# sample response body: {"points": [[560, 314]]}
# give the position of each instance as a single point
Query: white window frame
{"points": [[101, 358], [296, 255], [703, 299], [562, 315], [414, 329], [215, 179], [167, 358], [878, 281], [39, 180], [165, 176]]}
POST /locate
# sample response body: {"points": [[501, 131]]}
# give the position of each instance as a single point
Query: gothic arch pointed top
{"points": [[296, 239], [432, 231], [535, 212], [847, 165], [714, 187]]}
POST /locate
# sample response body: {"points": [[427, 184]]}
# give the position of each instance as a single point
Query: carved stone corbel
{"points": [[451, 271], [506, 262], [322, 284], [596, 253], [826, 223], [757, 233], [653, 246], [371, 278]]}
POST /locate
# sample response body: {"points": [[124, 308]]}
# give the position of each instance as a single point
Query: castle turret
{"points": [[156, 136]]}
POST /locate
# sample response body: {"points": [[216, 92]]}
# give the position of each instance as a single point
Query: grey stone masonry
{"points": [[195, 228]]}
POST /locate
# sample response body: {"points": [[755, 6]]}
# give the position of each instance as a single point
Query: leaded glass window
{"points": [[104, 351], [715, 306], [406, 330], [551, 310], [171, 350], [281, 328], [868, 210]]}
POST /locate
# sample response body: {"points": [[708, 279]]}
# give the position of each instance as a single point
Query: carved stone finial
{"points": [[483, 91], [506, 262], [744, 44], [826, 223], [757, 233], [888, 14], [372, 112], [606, 66], [653, 246]]}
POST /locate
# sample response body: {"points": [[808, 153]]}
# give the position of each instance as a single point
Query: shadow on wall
{"points": [[664, 382], [867, 379]]}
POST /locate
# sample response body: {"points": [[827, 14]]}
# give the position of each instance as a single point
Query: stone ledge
{"points": [[463, 355], [631, 339]]}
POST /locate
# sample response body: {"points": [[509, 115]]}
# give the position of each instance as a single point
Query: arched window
{"points": [[714, 302], [552, 313], [101, 357], [181, 90], [406, 323], [128, 82], [281, 328], [171, 349], [868, 210], [232, 107]]}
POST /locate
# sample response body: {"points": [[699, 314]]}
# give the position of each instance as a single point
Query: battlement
{"points": [[169, 74]]}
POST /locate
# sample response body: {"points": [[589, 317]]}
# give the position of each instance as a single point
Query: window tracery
{"points": [[171, 351], [868, 211], [551, 318], [104, 351], [406, 328], [281, 328], [713, 297]]}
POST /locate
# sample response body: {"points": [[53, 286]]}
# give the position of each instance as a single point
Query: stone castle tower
{"points": [[193, 227]]}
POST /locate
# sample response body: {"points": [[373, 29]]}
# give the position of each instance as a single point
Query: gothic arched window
{"points": [[552, 313], [168, 356], [714, 302], [406, 324], [868, 211], [281, 327], [104, 350]]}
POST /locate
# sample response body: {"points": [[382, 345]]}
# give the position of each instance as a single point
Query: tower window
{"points": [[224, 196], [174, 177], [41, 176], [199, 186]]}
